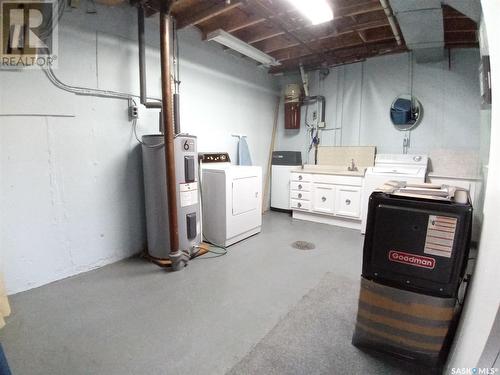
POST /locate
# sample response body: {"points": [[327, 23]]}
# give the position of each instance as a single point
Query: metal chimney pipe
{"points": [[168, 121], [142, 60]]}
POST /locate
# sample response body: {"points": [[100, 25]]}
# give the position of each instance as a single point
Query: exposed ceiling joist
{"points": [[331, 47], [366, 6], [274, 44], [344, 55], [266, 31], [264, 10], [360, 29], [206, 14]]}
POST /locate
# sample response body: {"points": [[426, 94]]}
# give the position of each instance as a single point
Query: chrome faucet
{"points": [[352, 167]]}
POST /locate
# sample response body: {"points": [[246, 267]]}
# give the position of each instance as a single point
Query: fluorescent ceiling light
{"points": [[318, 11], [226, 39]]}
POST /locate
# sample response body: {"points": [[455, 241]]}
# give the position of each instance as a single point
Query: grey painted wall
{"points": [[71, 196], [483, 296], [359, 96]]}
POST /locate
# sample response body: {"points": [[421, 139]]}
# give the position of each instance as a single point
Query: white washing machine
{"points": [[231, 199], [399, 167]]}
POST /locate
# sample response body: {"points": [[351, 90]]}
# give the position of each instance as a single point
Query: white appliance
{"points": [[283, 163], [231, 199], [399, 167]]}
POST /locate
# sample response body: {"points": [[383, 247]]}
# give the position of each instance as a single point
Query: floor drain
{"points": [[303, 245]]}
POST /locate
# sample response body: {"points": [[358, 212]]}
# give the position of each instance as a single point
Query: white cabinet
{"points": [[326, 198], [348, 201], [300, 205], [300, 186], [323, 198], [303, 195], [301, 177]]}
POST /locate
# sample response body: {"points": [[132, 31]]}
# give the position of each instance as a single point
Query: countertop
{"points": [[450, 176], [331, 170]]}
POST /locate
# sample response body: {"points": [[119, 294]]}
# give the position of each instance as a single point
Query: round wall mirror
{"points": [[406, 112]]}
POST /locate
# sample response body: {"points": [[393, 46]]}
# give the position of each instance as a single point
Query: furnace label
{"points": [[440, 235]]}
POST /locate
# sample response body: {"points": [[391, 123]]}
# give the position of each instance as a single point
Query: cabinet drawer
{"points": [[299, 205], [304, 195], [301, 177], [324, 198], [348, 201], [300, 186]]}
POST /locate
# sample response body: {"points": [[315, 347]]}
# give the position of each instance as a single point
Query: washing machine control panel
{"points": [[214, 157]]}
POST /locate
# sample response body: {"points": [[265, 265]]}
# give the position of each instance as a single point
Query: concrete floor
{"points": [[134, 318]]}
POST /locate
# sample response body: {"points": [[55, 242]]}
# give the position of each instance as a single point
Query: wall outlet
{"points": [[315, 115], [133, 112]]}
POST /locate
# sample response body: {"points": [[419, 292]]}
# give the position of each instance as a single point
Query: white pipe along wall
{"points": [[71, 190]]}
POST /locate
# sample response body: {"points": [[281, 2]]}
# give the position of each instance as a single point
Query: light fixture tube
{"points": [[230, 41]]}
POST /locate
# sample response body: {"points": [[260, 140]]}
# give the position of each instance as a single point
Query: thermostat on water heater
{"points": [[214, 157]]}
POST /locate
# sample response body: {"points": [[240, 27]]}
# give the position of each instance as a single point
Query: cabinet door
{"points": [[324, 198], [348, 201]]}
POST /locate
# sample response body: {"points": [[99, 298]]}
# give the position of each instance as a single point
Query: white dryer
{"points": [[398, 167], [231, 199]]}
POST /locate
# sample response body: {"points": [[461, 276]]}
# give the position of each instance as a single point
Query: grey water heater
{"points": [[155, 186]]}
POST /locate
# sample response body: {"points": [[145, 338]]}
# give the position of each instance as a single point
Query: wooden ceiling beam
{"points": [[349, 55], [266, 12], [461, 45], [460, 36], [354, 10], [206, 14], [462, 24], [333, 49], [251, 18], [238, 20], [274, 44], [257, 37]]}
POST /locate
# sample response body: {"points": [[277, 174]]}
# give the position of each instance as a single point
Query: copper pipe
{"points": [[167, 113]]}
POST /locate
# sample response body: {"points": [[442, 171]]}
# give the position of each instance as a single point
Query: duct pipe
{"points": [[390, 17], [142, 61], [176, 255]]}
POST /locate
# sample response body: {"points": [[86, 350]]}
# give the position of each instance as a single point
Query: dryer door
{"points": [[245, 195]]}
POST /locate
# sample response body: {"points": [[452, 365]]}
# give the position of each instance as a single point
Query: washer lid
{"points": [[398, 170], [398, 160]]}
